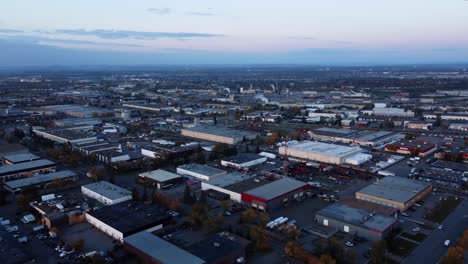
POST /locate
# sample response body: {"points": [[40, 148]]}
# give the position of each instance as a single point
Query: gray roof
{"points": [[160, 249], [39, 179], [243, 158], [202, 169], [221, 131], [108, 190], [17, 158], [396, 189], [160, 175], [25, 166], [357, 217], [228, 179], [274, 189], [325, 148]]}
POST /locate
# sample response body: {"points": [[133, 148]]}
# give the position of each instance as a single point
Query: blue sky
{"points": [[44, 32]]}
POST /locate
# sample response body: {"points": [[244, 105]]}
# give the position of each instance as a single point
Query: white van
{"points": [[447, 243]]}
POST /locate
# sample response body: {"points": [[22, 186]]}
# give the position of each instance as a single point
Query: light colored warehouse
{"points": [[396, 192], [218, 134], [106, 192], [201, 172], [324, 152]]}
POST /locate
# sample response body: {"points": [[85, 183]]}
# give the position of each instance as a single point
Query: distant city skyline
{"points": [[357, 32]]}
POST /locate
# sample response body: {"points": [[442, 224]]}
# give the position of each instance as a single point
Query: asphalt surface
{"points": [[432, 249]]}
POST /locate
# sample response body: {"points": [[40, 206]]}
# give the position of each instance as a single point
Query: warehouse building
{"points": [[153, 249], [275, 194], [19, 158], [201, 172], [40, 181], [396, 192], [324, 152], [361, 137], [106, 192], [242, 161], [420, 148], [63, 136], [161, 179], [25, 169], [232, 184], [356, 221], [218, 134], [124, 219]]}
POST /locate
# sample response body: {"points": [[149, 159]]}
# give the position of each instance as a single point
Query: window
{"points": [[325, 222], [346, 229]]}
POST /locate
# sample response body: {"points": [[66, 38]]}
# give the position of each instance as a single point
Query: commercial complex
{"points": [[275, 194], [127, 218], [106, 192], [40, 181], [360, 137], [242, 161], [25, 169], [324, 152], [218, 134], [356, 221], [420, 148], [63, 136], [201, 172], [19, 158], [161, 179], [396, 192]]}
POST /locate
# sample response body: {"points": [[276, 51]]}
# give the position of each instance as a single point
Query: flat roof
{"points": [[324, 148], [394, 188], [357, 217], [242, 158], [160, 175], [456, 166], [201, 169], [221, 131], [131, 216], [42, 178], [160, 249], [229, 179], [25, 166], [214, 248], [274, 189], [107, 189], [22, 157]]}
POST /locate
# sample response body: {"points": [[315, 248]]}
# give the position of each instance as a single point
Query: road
{"points": [[433, 248]]}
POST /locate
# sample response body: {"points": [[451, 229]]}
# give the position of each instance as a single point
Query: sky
{"points": [[324, 32]]}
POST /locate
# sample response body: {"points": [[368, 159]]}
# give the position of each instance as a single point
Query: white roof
{"points": [[325, 148], [160, 175]]}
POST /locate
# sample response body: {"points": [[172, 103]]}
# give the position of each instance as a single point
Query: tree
{"points": [[377, 252], [199, 215], [249, 216], [203, 199], [2, 195], [455, 255], [188, 198], [145, 192], [78, 245], [226, 205], [294, 249], [135, 194], [327, 259], [257, 149]]}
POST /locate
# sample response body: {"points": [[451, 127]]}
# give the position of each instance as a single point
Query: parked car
{"points": [[416, 229], [447, 243], [349, 244]]}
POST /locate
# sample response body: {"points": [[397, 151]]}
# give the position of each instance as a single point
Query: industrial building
{"points": [[106, 192], [356, 221], [124, 219], [25, 169], [232, 184], [153, 249], [275, 194], [420, 148], [217, 248], [361, 137], [63, 136], [201, 172], [396, 192], [242, 161], [161, 179], [19, 158], [324, 152], [40, 181], [218, 134]]}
